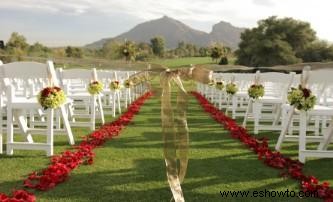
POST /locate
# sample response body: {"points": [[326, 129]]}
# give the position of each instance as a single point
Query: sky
{"points": [[79, 22]]}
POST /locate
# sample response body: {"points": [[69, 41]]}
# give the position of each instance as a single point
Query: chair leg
{"points": [[1, 142], [114, 104], [22, 122], [317, 125], [130, 95], [277, 116], [67, 126], [234, 106], [328, 135], [93, 112], [249, 106], [118, 102], [49, 139], [256, 115], [100, 106], [286, 120], [10, 131], [220, 100], [302, 137]]}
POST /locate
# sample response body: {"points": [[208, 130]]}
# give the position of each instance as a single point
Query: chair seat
{"points": [[29, 103], [242, 94], [320, 110], [271, 99]]}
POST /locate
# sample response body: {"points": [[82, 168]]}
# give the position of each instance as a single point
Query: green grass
{"points": [[178, 62], [131, 167]]}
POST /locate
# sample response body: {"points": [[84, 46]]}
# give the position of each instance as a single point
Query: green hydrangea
{"points": [[114, 85], [95, 87], [219, 85], [256, 91], [51, 97], [231, 88], [301, 98], [211, 82]]}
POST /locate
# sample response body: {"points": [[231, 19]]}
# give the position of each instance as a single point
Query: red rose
{"points": [[306, 92], [46, 91]]}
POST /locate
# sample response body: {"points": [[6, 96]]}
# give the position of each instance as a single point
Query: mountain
{"points": [[226, 33], [175, 31]]}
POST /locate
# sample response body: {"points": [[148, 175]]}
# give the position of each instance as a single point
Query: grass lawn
{"points": [[131, 167], [178, 62]]}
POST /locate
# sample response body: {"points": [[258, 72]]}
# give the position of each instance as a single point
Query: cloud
{"points": [[121, 15], [267, 3]]}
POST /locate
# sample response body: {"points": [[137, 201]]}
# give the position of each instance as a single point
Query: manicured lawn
{"points": [[177, 62], [131, 167]]}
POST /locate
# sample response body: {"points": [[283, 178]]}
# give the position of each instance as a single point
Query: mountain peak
{"points": [[175, 31]]}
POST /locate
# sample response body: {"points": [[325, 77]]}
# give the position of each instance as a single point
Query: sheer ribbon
{"points": [[174, 122]]}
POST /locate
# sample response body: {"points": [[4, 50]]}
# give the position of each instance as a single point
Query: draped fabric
{"points": [[174, 121]]}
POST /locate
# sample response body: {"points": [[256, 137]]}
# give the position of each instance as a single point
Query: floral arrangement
{"points": [[114, 85], [219, 85], [256, 90], [128, 83], [231, 88], [95, 87], [211, 82], [301, 98], [51, 97]]}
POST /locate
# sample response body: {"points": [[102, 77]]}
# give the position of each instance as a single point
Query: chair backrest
{"points": [[319, 81], [25, 76], [89, 74], [276, 83], [243, 80], [76, 80]]}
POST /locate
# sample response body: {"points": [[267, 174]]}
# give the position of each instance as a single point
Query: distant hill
{"points": [[175, 31]]}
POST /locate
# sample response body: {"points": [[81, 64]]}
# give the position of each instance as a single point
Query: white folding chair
{"points": [[317, 82], [17, 105], [85, 105], [276, 88]]}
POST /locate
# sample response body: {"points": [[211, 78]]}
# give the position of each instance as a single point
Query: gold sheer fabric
{"points": [[174, 121]]}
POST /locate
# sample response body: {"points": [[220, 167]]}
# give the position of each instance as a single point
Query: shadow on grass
{"points": [[146, 181]]}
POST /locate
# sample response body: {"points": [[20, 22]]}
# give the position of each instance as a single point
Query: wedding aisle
{"points": [[131, 167]]}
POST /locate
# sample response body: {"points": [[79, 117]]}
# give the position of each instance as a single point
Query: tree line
{"points": [[275, 41], [281, 41], [17, 47]]}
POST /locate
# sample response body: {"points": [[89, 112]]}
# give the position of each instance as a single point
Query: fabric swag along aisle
{"points": [[62, 165], [289, 168], [174, 125]]}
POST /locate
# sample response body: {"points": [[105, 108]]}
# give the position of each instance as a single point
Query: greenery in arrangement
{"points": [[51, 97], [115, 85], [301, 98], [231, 88], [95, 87], [256, 91], [128, 83], [219, 85]]}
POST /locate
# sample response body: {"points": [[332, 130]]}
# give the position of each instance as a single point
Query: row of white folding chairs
{"points": [[17, 106], [276, 105], [23, 82]]}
